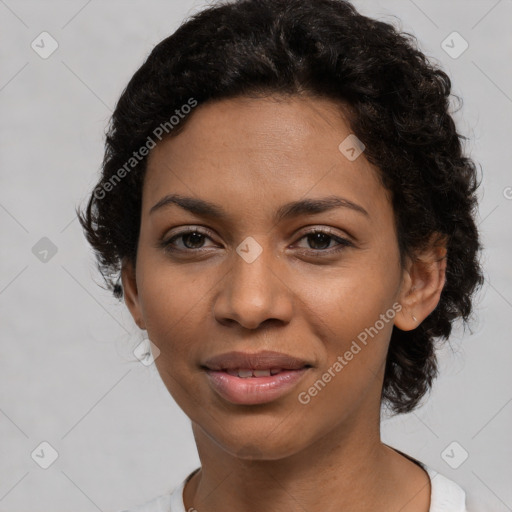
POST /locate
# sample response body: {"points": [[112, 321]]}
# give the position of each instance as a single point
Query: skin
{"points": [[250, 156]]}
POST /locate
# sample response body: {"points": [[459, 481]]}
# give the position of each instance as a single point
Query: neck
{"points": [[341, 470]]}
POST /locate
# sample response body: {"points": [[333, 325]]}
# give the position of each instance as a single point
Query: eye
{"points": [[191, 239], [319, 241]]}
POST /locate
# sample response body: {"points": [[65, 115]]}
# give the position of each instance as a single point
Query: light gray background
{"points": [[68, 374]]}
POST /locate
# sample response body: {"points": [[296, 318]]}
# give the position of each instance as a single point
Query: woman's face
{"points": [[254, 278]]}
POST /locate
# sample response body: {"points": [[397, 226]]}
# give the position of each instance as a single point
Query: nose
{"points": [[254, 293]]}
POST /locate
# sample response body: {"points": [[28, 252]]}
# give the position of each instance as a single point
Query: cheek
{"points": [[173, 303], [173, 300], [351, 298], [351, 315], [354, 326], [353, 353]]}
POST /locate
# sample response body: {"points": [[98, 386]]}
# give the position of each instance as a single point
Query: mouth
{"points": [[268, 372], [251, 389], [267, 361], [249, 379]]}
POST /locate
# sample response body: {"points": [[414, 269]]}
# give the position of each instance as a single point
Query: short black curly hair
{"points": [[399, 103]]}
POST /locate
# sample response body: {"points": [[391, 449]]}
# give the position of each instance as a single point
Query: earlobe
{"points": [[131, 294], [422, 284]]}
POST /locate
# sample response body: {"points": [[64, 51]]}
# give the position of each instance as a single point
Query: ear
{"points": [[131, 294], [422, 284]]}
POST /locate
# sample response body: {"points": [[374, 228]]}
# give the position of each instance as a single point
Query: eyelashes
{"points": [[192, 237], [321, 235]]}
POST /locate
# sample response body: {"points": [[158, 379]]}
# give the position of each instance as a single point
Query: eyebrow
{"points": [[204, 208]]}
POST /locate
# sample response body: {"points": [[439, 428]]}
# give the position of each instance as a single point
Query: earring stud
{"points": [[414, 318]]}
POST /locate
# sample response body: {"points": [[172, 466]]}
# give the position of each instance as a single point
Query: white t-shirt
{"points": [[446, 496]]}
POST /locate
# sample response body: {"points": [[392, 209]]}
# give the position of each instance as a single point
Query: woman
{"points": [[287, 211]]}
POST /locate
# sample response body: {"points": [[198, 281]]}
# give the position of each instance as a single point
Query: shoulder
{"points": [[446, 495], [159, 504], [170, 502]]}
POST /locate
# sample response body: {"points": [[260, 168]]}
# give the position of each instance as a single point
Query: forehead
{"points": [[266, 150]]}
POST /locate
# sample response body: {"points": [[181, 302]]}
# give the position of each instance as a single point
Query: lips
{"points": [[250, 379], [256, 390], [243, 362]]}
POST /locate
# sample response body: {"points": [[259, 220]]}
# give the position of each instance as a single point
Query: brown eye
{"points": [[189, 240], [192, 240], [319, 241]]}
